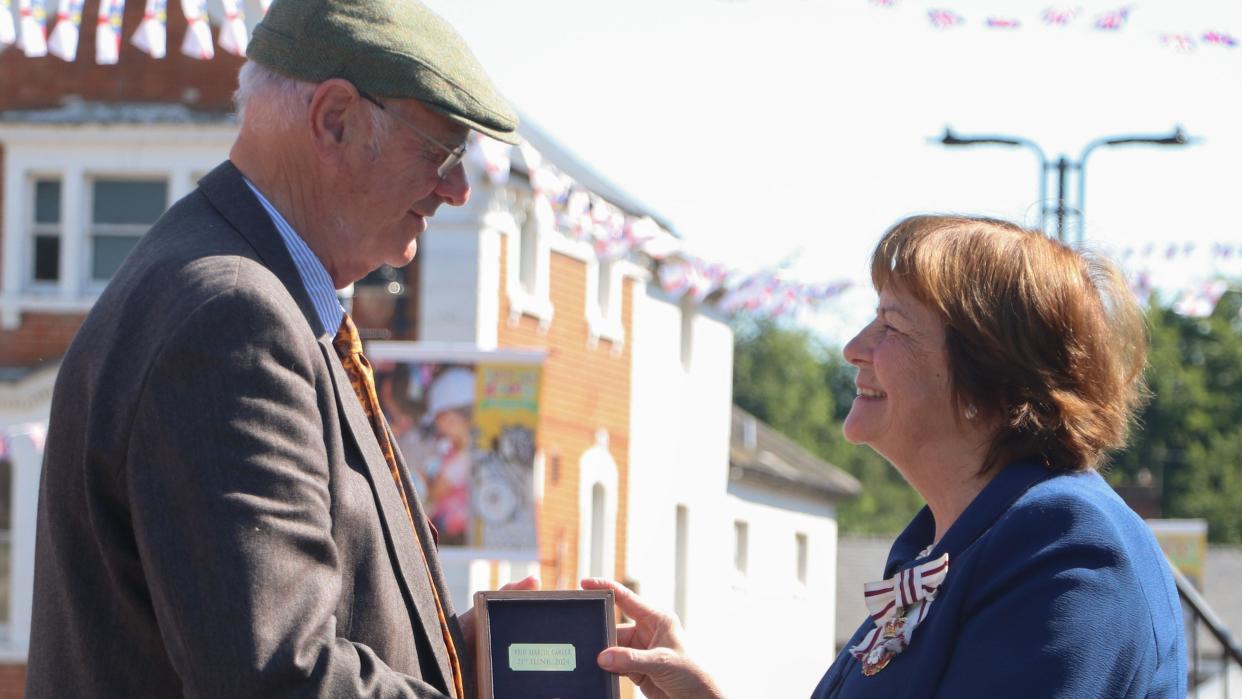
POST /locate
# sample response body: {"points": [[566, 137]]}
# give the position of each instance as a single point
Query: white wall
{"points": [[782, 623], [765, 635]]}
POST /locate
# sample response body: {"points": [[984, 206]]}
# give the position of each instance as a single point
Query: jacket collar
{"points": [[995, 498], [226, 190]]}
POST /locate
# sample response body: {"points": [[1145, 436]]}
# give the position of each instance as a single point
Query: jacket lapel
{"points": [[226, 189], [392, 513]]}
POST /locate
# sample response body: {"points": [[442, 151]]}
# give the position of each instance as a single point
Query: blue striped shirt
{"points": [[314, 275]]}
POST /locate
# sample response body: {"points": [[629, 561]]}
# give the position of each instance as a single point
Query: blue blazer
{"points": [[1055, 589]]}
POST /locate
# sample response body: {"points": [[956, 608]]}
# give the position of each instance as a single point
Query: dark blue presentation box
{"points": [[543, 644]]}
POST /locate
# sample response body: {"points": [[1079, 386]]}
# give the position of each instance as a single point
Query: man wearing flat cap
{"points": [[222, 511]]}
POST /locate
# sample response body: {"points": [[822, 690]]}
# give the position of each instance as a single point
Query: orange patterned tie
{"points": [[349, 346]]}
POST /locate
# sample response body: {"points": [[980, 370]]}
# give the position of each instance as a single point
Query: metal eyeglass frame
{"points": [[454, 154]]}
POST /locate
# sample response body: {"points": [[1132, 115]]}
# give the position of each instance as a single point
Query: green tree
{"points": [[1189, 437]]}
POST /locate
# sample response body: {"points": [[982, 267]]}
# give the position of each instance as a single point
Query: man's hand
{"points": [[649, 650], [467, 620]]}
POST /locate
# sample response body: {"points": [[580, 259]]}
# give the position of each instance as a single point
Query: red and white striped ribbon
{"points": [[909, 594]]}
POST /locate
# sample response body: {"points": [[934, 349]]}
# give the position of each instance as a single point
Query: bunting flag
{"points": [[1219, 39], [36, 431], [943, 19], [1201, 301], [152, 35], [233, 36], [33, 38], [197, 42], [63, 43], [8, 29], [1112, 21], [264, 5], [108, 32], [1059, 16], [1184, 43], [1003, 23], [560, 205]]}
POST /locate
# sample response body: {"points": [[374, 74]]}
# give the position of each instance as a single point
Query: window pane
{"points": [[46, 258], [741, 534], [110, 251], [129, 201], [47, 201]]}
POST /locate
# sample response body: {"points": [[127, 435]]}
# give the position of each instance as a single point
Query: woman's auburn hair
{"points": [[1045, 342]]}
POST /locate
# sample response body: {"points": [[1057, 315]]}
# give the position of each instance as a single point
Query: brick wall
{"points": [[584, 389], [41, 337], [34, 83], [12, 681]]}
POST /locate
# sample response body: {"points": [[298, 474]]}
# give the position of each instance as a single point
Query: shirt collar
{"points": [[314, 275]]}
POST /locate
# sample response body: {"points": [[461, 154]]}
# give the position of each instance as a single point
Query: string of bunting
{"points": [[559, 204], [1113, 20], [1150, 267], [27, 30]]}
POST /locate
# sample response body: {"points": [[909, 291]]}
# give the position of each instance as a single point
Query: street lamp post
{"points": [[1063, 166]]}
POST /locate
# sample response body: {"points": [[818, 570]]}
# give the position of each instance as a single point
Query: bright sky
{"points": [[772, 130]]}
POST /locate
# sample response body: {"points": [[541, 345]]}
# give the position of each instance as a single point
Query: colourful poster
{"points": [[1184, 542], [465, 423]]}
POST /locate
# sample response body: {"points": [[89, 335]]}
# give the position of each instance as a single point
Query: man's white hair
{"points": [[277, 102]]}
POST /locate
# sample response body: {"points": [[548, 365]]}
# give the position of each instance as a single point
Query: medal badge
{"points": [[897, 606]]}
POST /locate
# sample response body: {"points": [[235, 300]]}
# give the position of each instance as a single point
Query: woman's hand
{"points": [[650, 651]]}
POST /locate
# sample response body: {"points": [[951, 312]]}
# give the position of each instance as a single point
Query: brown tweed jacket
{"points": [[215, 516]]}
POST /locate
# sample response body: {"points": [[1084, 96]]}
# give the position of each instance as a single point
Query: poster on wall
{"points": [[465, 421]]}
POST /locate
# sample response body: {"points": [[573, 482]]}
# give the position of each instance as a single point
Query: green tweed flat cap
{"points": [[390, 48]]}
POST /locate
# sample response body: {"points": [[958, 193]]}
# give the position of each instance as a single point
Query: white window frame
{"points": [[597, 467], [74, 154], [93, 229], [24, 408], [529, 234], [605, 277]]}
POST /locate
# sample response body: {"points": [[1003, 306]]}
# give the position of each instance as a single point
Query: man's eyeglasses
{"points": [[454, 154]]}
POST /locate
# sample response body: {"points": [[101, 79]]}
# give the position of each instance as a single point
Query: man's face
{"points": [[390, 188]]}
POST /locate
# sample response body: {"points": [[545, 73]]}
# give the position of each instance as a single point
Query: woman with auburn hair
{"points": [[1000, 369]]}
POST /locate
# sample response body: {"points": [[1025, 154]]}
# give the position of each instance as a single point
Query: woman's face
{"points": [[903, 403]]}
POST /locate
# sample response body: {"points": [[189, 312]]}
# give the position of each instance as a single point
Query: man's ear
{"points": [[334, 110]]}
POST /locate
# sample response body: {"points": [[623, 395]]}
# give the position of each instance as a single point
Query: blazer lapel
{"points": [[392, 513]]}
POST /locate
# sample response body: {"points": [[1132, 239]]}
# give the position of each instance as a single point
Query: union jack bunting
{"points": [[197, 42], [1059, 16], [108, 32], [943, 19], [1219, 39], [1112, 21], [1184, 43], [152, 35], [233, 37], [33, 39], [1003, 23], [898, 605], [63, 42], [8, 29]]}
